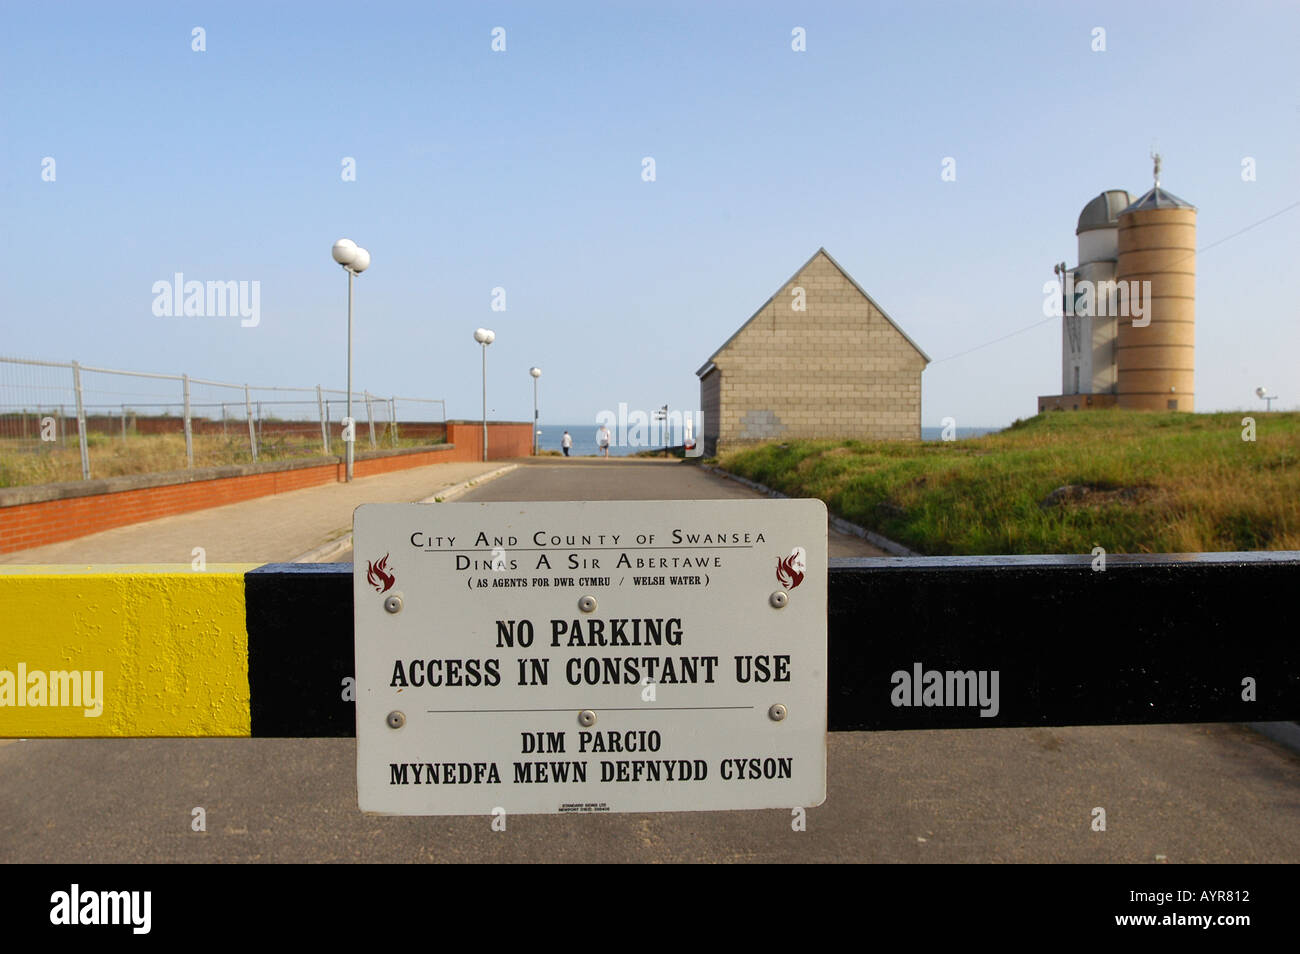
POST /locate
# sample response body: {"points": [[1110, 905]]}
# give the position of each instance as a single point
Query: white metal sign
{"points": [[596, 656]]}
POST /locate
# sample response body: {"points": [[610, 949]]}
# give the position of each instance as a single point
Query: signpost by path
{"points": [[593, 656]]}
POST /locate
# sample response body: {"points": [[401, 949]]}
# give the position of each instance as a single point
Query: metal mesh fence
{"points": [[64, 421], [36, 400]]}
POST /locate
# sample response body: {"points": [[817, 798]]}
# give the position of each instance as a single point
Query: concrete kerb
{"points": [[457, 489], [328, 552], [837, 523], [544, 460]]}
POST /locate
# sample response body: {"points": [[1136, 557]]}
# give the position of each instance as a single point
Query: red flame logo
{"points": [[378, 575], [787, 573]]}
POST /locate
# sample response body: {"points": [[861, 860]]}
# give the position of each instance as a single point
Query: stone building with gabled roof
{"points": [[819, 359]]}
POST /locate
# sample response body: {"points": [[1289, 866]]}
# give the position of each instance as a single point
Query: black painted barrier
{"points": [[1151, 639]]}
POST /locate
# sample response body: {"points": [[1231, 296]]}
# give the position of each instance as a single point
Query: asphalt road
{"points": [[589, 478], [1218, 793]]}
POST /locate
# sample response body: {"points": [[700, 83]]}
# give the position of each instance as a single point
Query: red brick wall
{"points": [[385, 465], [504, 440], [35, 524]]}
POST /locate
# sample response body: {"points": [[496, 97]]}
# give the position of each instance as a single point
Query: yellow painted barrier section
{"points": [[98, 651]]}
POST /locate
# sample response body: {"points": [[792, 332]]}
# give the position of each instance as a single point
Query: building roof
{"points": [[708, 365], [1158, 198], [1103, 211]]}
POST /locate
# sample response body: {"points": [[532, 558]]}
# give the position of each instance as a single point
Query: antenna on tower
{"points": [[1155, 172]]}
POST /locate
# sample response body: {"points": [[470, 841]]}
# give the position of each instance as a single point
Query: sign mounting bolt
{"points": [[779, 599], [393, 604], [587, 604], [586, 718], [396, 720], [776, 713]]}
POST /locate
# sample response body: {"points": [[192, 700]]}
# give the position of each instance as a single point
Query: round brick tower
{"points": [[1155, 361]]}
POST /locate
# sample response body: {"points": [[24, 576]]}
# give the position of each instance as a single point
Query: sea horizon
{"points": [[584, 439]]}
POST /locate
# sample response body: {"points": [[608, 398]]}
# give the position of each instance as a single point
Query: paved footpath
{"points": [[1171, 793], [264, 530]]}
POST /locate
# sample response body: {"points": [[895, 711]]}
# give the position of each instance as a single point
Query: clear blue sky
{"points": [[522, 169]]}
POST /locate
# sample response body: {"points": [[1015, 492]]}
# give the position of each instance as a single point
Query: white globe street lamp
{"points": [[484, 337], [345, 252], [354, 260], [536, 373]]}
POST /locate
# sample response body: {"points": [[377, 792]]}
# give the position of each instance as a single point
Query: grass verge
{"points": [[1130, 482]]}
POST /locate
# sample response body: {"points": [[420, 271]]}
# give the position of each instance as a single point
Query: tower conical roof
{"points": [[1158, 198]]}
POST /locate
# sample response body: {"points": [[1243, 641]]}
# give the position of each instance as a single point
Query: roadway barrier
{"points": [[914, 643], [123, 651]]}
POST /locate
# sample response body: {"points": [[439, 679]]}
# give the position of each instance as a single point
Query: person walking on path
{"points": [[566, 442], [602, 440]]}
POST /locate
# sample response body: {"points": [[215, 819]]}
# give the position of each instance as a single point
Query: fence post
{"points": [[189, 433], [81, 422], [248, 413], [392, 417], [124, 424], [261, 437], [324, 427], [370, 416]]}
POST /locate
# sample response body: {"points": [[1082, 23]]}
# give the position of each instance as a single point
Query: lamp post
{"points": [[485, 337], [536, 373], [354, 260], [1060, 270]]}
